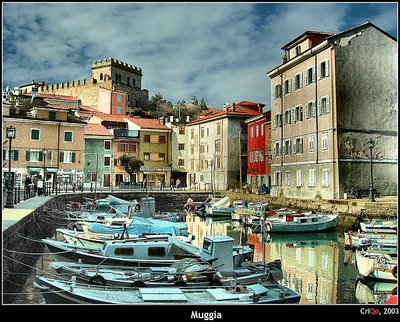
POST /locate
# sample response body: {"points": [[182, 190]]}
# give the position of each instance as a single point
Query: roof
{"points": [[96, 129], [53, 96], [147, 123], [241, 109], [307, 33], [111, 117]]}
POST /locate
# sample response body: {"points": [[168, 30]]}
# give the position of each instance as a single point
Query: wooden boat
{"points": [[186, 272], [62, 292], [301, 222], [153, 251], [377, 264], [374, 292], [357, 239], [381, 226]]}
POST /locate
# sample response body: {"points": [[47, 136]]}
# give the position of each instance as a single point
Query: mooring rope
{"points": [[40, 254]]}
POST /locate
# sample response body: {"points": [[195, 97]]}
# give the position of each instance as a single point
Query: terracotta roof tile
{"points": [[53, 96], [96, 129], [147, 123]]}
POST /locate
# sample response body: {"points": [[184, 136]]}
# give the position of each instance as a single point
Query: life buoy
{"points": [[97, 280], [394, 272]]}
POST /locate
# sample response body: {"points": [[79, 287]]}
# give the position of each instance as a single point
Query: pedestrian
{"points": [[178, 183], [144, 184], [35, 180], [162, 184], [40, 186], [172, 184], [28, 182]]}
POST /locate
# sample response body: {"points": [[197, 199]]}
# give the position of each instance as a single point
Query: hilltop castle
{"points": [[108, 74]]}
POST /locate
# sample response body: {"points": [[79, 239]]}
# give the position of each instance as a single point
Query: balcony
{"points": [[124, 133]]}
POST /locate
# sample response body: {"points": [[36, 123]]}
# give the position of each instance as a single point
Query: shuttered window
{"points": [[35, 134]]}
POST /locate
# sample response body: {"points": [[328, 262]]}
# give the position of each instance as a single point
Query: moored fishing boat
{"points": [[301, 222], [377, 264], [356, 239], [62, 292], [382, 226]]}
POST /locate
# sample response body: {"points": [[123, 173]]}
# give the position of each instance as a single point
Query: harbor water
{"points": [[316, 265]]}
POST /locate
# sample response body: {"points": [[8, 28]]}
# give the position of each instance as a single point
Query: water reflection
{"points": [[313, 263], [374, 292]]}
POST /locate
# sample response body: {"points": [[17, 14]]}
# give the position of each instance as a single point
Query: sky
{"points": [[217, 51]]}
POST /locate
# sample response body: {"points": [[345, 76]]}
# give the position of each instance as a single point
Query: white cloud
{"points": [[217, 51]]}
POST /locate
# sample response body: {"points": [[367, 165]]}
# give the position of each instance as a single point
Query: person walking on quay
{"points": [[162, 184], [40, 186], [172, 184], [28, 183], [178, 184], [35, 180], [144, 184]]}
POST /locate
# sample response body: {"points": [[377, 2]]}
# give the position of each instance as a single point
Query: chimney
{"points": [[161, 120], [187, 119], [233, 107]]}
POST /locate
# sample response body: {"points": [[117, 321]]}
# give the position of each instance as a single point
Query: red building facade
{"points": [[258, 167]]}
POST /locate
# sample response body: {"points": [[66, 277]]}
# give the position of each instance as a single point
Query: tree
{"points": [[130, 164], [203, 104]]}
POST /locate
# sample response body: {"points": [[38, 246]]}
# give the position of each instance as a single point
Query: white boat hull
{"points": [[295, 227], [376, 266]]}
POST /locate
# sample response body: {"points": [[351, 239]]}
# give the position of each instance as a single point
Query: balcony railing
{"points": [[120, 133]]}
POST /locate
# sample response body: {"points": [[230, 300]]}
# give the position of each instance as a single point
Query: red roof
{"points": [[111, 117], [241, 109], [53, 96], [147, 123], [96, 129]]}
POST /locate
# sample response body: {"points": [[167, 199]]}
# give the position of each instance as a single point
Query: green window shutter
{"points": [[73, 157], [4, 154], [61, 156], [40, 156], [28, 155], [35, 134], [68, 136], [52, 115], [15, 155]]}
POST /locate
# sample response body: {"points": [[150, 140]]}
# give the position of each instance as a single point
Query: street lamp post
{"points": [[44, 151], [371, 145], [10, 136]]}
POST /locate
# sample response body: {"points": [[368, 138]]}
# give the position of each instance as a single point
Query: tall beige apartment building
{"points": [[332, 94]]}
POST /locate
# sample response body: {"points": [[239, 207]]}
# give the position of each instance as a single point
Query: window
{"points": [[310, 76], [119, 109], [310, 109], [278, 148], [261, 153], [192, 149], [107, 145], [202, 132], [298, 81], [299, 145], [147, 138], [181, 146], [287, 178], [181, 162], [217, 145], [323, 69], [107, 161], [278, 120], [126, 147], [67, 157], [119, 98], [161, 157], [298, 115], [287, 86], [252, 132], [192, 133], [68, 136], [191, 164], [94, 176], [34, 155], [324, 105], [277, 178], [288, 117], [311, 178], [181, 130], [277, 91], [325, 146], [325, 177], [311, 143], [156, 251], [288, 147], [146, 156], [14, 155], [124, 251], [35, 134], [262, 130], [257, 131], [208, 131], [52, 115], [299, 178], [218, 129], [162, 139], [297, 50], [154, 139]]}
